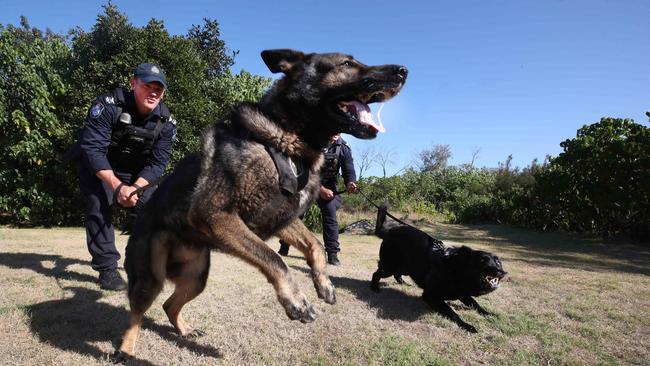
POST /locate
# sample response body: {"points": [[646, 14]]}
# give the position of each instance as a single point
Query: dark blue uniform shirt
{"points": [[346, 165], [103, 119]]}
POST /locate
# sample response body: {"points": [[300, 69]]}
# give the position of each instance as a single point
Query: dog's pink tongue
{"points": [[365, 116]]}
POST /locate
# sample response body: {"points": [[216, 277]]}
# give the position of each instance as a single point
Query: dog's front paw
{"points": [[120, 357], [194, 333], [304, 312], [326, 292]]}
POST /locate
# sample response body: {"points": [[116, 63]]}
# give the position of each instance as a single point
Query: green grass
{"points": [[566, 301], [384, 351]]}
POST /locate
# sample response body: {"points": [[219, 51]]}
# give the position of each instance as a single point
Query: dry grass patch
{"points": [[566, 301]]}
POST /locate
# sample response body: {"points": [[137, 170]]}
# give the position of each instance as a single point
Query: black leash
{"points": [[438, 242], [155, 182], [387, 213]]}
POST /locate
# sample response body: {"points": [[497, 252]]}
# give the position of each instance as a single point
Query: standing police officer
{"points": [[338, 157], [126, 143]]}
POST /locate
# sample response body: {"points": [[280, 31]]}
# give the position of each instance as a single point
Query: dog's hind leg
{"points": [[188, 269], [230, 234], [299, 236], [469, 301], [377, 276], [145, 283]]}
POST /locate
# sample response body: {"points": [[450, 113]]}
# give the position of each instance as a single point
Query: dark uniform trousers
{"points": [[100, 236], [330, 224], [338, 156]]}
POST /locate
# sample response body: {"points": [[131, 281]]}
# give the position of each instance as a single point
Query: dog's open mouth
{"points": [[492, 281], [360, 112], [357, 109]]}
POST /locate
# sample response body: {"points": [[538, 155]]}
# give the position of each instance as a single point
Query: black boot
{"points": [[284, 249], [111, 279], [333, 259]]}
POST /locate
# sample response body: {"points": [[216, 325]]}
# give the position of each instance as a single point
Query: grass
{"points": [[567, 301]]}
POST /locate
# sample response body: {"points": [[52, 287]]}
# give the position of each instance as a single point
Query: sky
{"points": [[488, 78]]}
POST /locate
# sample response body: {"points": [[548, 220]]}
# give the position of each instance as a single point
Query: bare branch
{"points": [[367, 158], [475, 153]]}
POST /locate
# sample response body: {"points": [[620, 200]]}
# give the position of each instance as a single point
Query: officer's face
{"points": [[147, 95]]}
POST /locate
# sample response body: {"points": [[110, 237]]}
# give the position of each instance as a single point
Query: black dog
{"points": [[443, 273]]}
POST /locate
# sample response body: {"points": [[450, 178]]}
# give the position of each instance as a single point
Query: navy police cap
{"points": [[150, 72]]}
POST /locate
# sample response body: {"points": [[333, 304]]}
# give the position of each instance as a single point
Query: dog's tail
{"points": [[380, 230]]}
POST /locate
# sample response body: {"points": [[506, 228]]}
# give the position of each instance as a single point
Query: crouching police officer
{"points": [[126, 143], [338, 157]]}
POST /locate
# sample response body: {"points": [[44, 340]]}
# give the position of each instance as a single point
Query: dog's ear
{"points": [[281, 60]]}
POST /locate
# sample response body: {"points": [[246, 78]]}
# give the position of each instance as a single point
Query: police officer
{"points": [[125, 144], [338, 157]]}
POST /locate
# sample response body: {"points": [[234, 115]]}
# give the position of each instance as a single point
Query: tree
{"points": [[31, 123], [475, 154], [435, 158], [384, 159], [211, 47], [600, 183], [365, 160]]}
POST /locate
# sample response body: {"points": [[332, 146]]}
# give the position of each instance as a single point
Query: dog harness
{"points": [[293, 174]]}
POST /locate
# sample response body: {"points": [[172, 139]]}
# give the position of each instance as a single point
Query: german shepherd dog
{"points": [[445, 273], [230, 195]]}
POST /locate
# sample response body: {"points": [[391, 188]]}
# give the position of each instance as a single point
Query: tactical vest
{"points": [[330, 167], [131, 145]]}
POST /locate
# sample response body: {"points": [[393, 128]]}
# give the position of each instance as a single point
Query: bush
{"points": [[600, 183]]}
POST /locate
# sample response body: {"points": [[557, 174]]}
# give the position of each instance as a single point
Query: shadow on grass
{"points": [[390, 303], [35, 261], [550, 248], [74, 324]]}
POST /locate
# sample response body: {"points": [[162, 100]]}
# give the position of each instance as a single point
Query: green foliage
{"points": [[435, 158], [600, 183], [211, 47], [31, 124], [47, 83], [313, 219]]}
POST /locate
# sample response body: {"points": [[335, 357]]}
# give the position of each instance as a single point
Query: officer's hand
{"points": [[351, 187], [123, 196], [326, 193]]}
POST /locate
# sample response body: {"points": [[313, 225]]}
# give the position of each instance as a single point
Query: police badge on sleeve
{"points": [[96, 110]]}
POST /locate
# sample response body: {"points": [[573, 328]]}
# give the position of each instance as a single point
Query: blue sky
{"points": [[505, 77]]}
